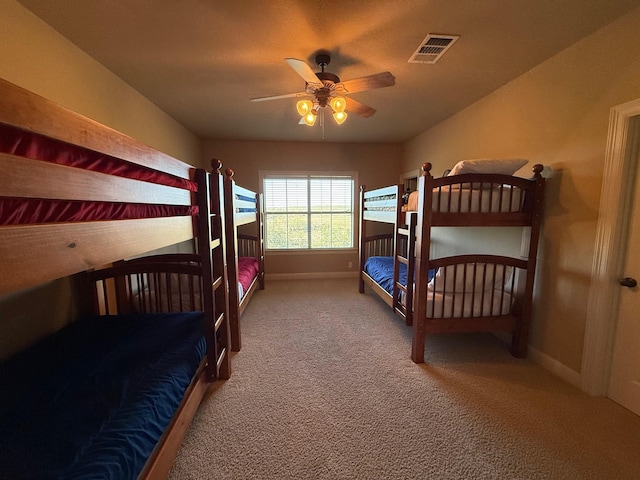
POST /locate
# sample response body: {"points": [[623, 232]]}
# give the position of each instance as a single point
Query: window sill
{"points": [[312, 251]]}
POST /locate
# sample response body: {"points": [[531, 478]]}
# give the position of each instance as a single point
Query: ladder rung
{"points": [[216, 283], [402, 259], [403, 231], [218, 322], [215, 243], [223, 354]]}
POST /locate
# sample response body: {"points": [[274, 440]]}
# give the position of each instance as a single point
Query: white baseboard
{"points": [[548, 363], [309, 276], [554, 366]]}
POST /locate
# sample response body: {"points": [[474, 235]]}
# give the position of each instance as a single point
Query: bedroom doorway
{"points": [[624, 381], [612, 336]]}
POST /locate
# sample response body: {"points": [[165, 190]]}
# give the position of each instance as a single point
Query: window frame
{"points": [[352, 175]]}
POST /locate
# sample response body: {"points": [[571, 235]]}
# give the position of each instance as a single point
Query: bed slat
{"points": [[68, 183], [70, 248]]}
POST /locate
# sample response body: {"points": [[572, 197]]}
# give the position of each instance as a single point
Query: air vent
{"points": [[432, 48]]}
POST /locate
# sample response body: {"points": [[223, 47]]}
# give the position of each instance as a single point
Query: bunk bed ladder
{"points": [[211, 247], [405, 253]]}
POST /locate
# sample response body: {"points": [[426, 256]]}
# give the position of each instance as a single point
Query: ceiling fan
{"points": [[326, 90]]}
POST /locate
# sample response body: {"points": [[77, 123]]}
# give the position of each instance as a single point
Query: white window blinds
{"points": [[308, 211]]}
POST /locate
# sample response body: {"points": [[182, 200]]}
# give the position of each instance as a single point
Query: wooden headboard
{"points": [[148, 196]]}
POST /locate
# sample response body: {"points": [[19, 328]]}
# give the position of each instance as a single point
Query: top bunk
{"points": [[245, 203], [78, 195], [474, 193]]}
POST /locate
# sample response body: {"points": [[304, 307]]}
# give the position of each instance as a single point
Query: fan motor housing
{"points": [[326, 76]]}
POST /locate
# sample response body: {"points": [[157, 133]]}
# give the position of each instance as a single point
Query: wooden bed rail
{"points": [[140, 287]]}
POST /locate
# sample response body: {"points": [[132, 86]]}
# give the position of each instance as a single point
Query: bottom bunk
{"points": [[247, 269], [463, 293], [110, 395], [378, 270], [473, 293], [248, 279]]}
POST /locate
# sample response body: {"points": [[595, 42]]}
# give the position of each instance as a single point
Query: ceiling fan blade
{"points": [[378, 80], [358, 108], [278, 97], [303, 69]]}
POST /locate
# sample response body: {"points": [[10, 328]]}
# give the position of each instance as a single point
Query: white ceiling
{"points": [[202, 60]]}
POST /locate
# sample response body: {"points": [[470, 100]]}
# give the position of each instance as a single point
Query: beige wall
{"points": [[37, 58], [556, 114], [376, 164]]}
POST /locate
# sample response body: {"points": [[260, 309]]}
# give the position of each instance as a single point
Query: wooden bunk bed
{"points": [[458, 293], [383, 252], [75, 197], [245, 250]]}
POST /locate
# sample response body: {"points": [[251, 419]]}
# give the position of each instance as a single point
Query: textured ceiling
{"points": [[201, 61]]}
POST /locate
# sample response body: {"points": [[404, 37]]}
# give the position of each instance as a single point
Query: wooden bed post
{"points": [[232, 260], [423, 246], [260, 234], [520, 336], [361, 239]]}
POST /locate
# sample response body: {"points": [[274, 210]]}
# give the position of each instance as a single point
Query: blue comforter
{"points": [[92, 400], [380, 269]]}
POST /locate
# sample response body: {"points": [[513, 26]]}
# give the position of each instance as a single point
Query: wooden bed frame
{"points": [[384, 205], [239, 210], [36, 253], [411, 244]]}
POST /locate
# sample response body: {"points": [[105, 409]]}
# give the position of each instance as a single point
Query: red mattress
{"points": [[247, 271]]}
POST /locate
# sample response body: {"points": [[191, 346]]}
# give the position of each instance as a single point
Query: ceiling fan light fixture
{"points": [[327, 90], [339, 117], [338, 104], [310, 118], [304, 107]]}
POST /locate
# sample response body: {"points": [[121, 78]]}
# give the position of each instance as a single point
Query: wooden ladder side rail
{"points": [[211, 243], [232, 259]]}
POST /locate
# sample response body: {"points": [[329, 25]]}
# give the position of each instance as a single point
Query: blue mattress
{"points": [[380, 269], [92, 400]]}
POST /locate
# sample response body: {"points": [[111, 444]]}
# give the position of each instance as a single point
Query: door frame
{"points": [[609, 255]]}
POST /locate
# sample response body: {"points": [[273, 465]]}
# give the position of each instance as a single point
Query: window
{"points": [[308, 211]]}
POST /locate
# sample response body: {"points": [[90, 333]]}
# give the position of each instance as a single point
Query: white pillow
{"points": [[504, 166], [452, 279]]}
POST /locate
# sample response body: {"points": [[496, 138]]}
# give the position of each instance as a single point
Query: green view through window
{"points": [[305, 211]]}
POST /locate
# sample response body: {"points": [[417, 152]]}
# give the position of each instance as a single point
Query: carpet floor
{"points": [[324, 388]]}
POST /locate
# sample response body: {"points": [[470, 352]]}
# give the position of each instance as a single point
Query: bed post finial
{"points": [[229, 172], [537, 170], [363, 188], [216, 165], [426, 169]]}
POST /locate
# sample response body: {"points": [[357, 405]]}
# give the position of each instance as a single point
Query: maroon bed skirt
{"points": [[29, 211]]}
